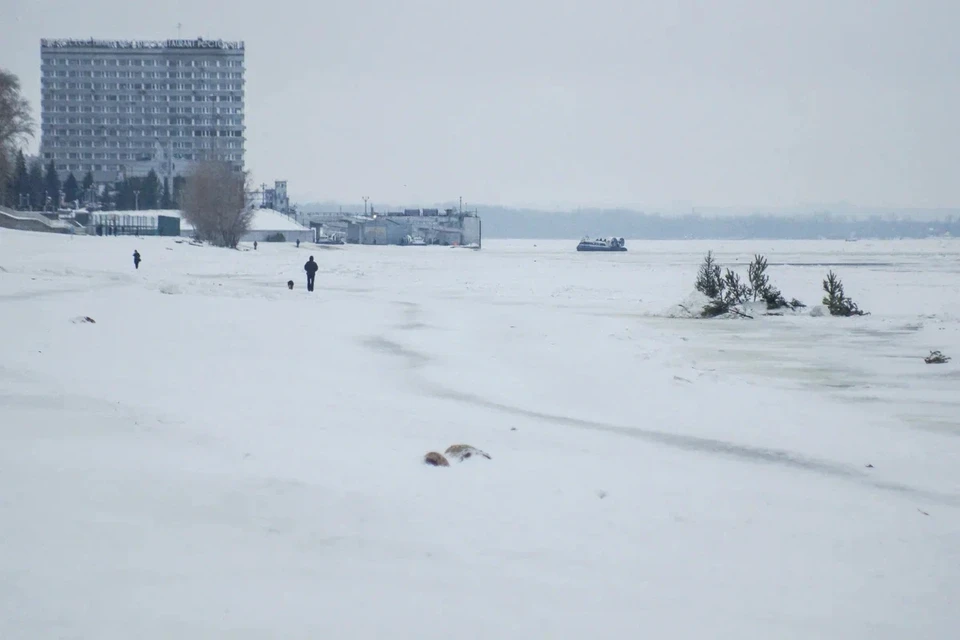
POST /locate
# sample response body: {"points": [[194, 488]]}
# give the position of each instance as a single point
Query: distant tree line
{"points": [[146, 193], [501, 222]]}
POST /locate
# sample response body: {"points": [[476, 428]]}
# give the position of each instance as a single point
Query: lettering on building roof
{"points": [[199, 43]]}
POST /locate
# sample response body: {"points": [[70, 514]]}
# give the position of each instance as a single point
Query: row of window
{"points": [[227, 122], [51, 97], [141, 62], [126, 86], [87, 167], [64, 108], [114, 167], [141, 144], [230, 157], [127, 133], [179, 75], [100, 155], [114, 144]]}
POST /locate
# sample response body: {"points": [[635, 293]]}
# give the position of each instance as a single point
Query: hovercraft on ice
{"points": [[602, 244]]}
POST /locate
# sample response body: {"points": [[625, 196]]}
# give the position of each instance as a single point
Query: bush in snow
{"points": [[727, 293], [936, 357], [275, 237], [836, 301], [709, 282], [761, 289], [734, 292]]}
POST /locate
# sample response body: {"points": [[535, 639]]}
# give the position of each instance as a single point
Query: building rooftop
{"points": [[199, 43]]}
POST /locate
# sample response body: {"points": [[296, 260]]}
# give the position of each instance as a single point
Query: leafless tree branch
{"points": [[214, 203]]}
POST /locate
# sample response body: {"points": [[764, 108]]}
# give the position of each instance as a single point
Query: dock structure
{"points": [[448, 227]]}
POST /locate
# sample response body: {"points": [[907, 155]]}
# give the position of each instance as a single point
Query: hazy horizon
{"points": [[566, 105]]}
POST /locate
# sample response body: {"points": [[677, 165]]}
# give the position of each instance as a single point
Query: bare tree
{"points": [[214, 202], [16, 124], [6, 172]]}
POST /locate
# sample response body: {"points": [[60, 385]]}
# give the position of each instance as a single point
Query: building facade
{"points": [[448, 227], [277, 198], [119, 108]]}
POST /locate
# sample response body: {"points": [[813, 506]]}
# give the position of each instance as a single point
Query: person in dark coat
{"points": [[136, 259], [311, 269]]}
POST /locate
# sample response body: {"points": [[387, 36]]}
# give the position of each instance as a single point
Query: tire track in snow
{"points": [[416, 359], [50, 293], [701, 445]]}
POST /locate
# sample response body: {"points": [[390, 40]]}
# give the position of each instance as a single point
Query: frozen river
{"points": [[217, 456]]}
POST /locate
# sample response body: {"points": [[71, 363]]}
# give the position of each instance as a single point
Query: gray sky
{"points": [[559, 103]]}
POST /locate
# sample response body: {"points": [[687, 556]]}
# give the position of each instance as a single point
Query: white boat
{"points": [[602, 244]]}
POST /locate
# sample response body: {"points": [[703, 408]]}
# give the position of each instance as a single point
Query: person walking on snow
{"points": [[311, 268], [298, 243], [136, 259]]}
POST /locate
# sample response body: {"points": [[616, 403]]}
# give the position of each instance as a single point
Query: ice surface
{"points": [[217, 456]]}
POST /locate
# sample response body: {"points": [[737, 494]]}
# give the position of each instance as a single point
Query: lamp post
{"points": [[136, 198]]}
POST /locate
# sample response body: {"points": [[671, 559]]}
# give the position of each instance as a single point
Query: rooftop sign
{"points": [[199, 43]]}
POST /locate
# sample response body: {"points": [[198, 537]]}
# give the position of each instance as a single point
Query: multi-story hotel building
{"points": [[118, 108]]}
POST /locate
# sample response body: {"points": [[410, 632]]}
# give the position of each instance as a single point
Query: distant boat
{"points": [[602, 244]]}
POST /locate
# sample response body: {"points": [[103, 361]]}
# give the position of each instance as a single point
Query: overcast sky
{"points": [[562, 103]]}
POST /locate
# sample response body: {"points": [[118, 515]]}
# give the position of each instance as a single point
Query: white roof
{"points": [[263, 219], [270, 220]]}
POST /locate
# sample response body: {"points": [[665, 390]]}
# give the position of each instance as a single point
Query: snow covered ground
{"points": [[217, 456]]}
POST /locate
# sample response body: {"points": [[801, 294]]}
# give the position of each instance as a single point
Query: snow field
{"points": [[220, 457]]}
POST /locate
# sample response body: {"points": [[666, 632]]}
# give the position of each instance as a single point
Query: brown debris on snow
{"points": [[464, 452], [435, 459], [936, 357]]}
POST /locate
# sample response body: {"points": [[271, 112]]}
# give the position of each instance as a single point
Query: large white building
{"points": [[119, 108]]}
